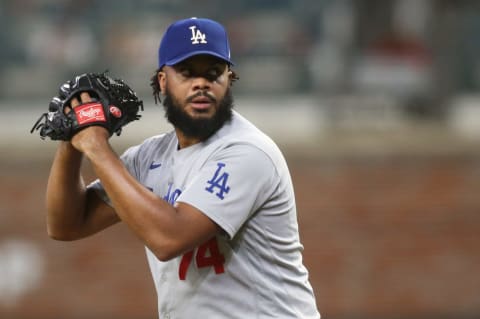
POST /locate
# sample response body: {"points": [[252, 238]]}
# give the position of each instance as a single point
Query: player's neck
{"points": [[185, 141]]}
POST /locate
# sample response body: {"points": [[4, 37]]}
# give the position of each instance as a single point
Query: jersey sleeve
{"points": [[232, 185]]}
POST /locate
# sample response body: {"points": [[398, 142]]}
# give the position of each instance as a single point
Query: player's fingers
{"points": [[74, 102], [85, 97]]}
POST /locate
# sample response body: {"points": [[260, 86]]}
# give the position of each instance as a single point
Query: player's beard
{"points": [[201, 128]]}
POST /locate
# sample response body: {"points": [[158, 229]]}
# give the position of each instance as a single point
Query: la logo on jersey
{"points": [[197, 35], [219, 182]]}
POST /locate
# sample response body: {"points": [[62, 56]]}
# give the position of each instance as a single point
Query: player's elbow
{"points": [[165, 251], [60, 234], [60, 237], [163, 254]]}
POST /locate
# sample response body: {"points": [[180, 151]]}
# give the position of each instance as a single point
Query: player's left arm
{"points": [[168, 231]]}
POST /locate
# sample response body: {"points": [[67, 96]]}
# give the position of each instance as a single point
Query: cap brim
{"points": [[190, 54]]}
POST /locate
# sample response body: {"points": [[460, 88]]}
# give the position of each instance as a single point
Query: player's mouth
{"points": [[201, 103]]}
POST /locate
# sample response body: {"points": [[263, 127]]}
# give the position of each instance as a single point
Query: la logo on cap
{"points": [[188, 37], [197, 35]]}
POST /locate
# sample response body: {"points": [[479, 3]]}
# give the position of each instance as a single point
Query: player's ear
{"points": [[232, 76], [162, 81]]}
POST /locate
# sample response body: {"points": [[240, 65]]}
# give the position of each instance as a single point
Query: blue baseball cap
{"points": [[188, 37]]}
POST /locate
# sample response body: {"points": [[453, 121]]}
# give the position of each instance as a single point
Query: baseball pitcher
{"points": [[212, 200]]}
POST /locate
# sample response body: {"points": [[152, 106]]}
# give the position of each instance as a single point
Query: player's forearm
{"points": [[138, 207], [162, 228], [65, 196]]}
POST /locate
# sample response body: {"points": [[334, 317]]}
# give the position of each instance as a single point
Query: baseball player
{"points": [[212, 200]]}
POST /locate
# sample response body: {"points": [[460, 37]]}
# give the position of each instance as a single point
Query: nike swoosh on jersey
{"points": [[155, 165]]}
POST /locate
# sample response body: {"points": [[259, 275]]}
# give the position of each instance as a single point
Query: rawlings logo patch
{"points": [[115, 111], [89, 113]]}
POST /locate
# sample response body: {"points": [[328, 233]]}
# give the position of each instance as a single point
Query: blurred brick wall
{"points": [[385, 237], [392, 238]]}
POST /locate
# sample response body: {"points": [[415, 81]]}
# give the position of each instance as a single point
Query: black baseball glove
{"points": [[114, 104]]}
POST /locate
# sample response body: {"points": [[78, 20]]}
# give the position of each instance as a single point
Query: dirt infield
{"points": [[384, 237]]}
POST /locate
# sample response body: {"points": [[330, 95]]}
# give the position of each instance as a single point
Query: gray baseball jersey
{"points": [[240, 180]]}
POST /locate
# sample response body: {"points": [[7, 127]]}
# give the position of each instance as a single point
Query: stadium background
{"points": [[375, 104]]}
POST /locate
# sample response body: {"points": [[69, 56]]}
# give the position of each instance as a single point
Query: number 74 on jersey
{"points": [[206, 255]]}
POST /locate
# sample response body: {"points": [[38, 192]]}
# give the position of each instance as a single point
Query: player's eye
{"points": [[215, 72], [212, 74], [185, 72]]}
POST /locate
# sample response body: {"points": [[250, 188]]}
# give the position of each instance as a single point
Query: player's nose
{"points": [[201, 83]]}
